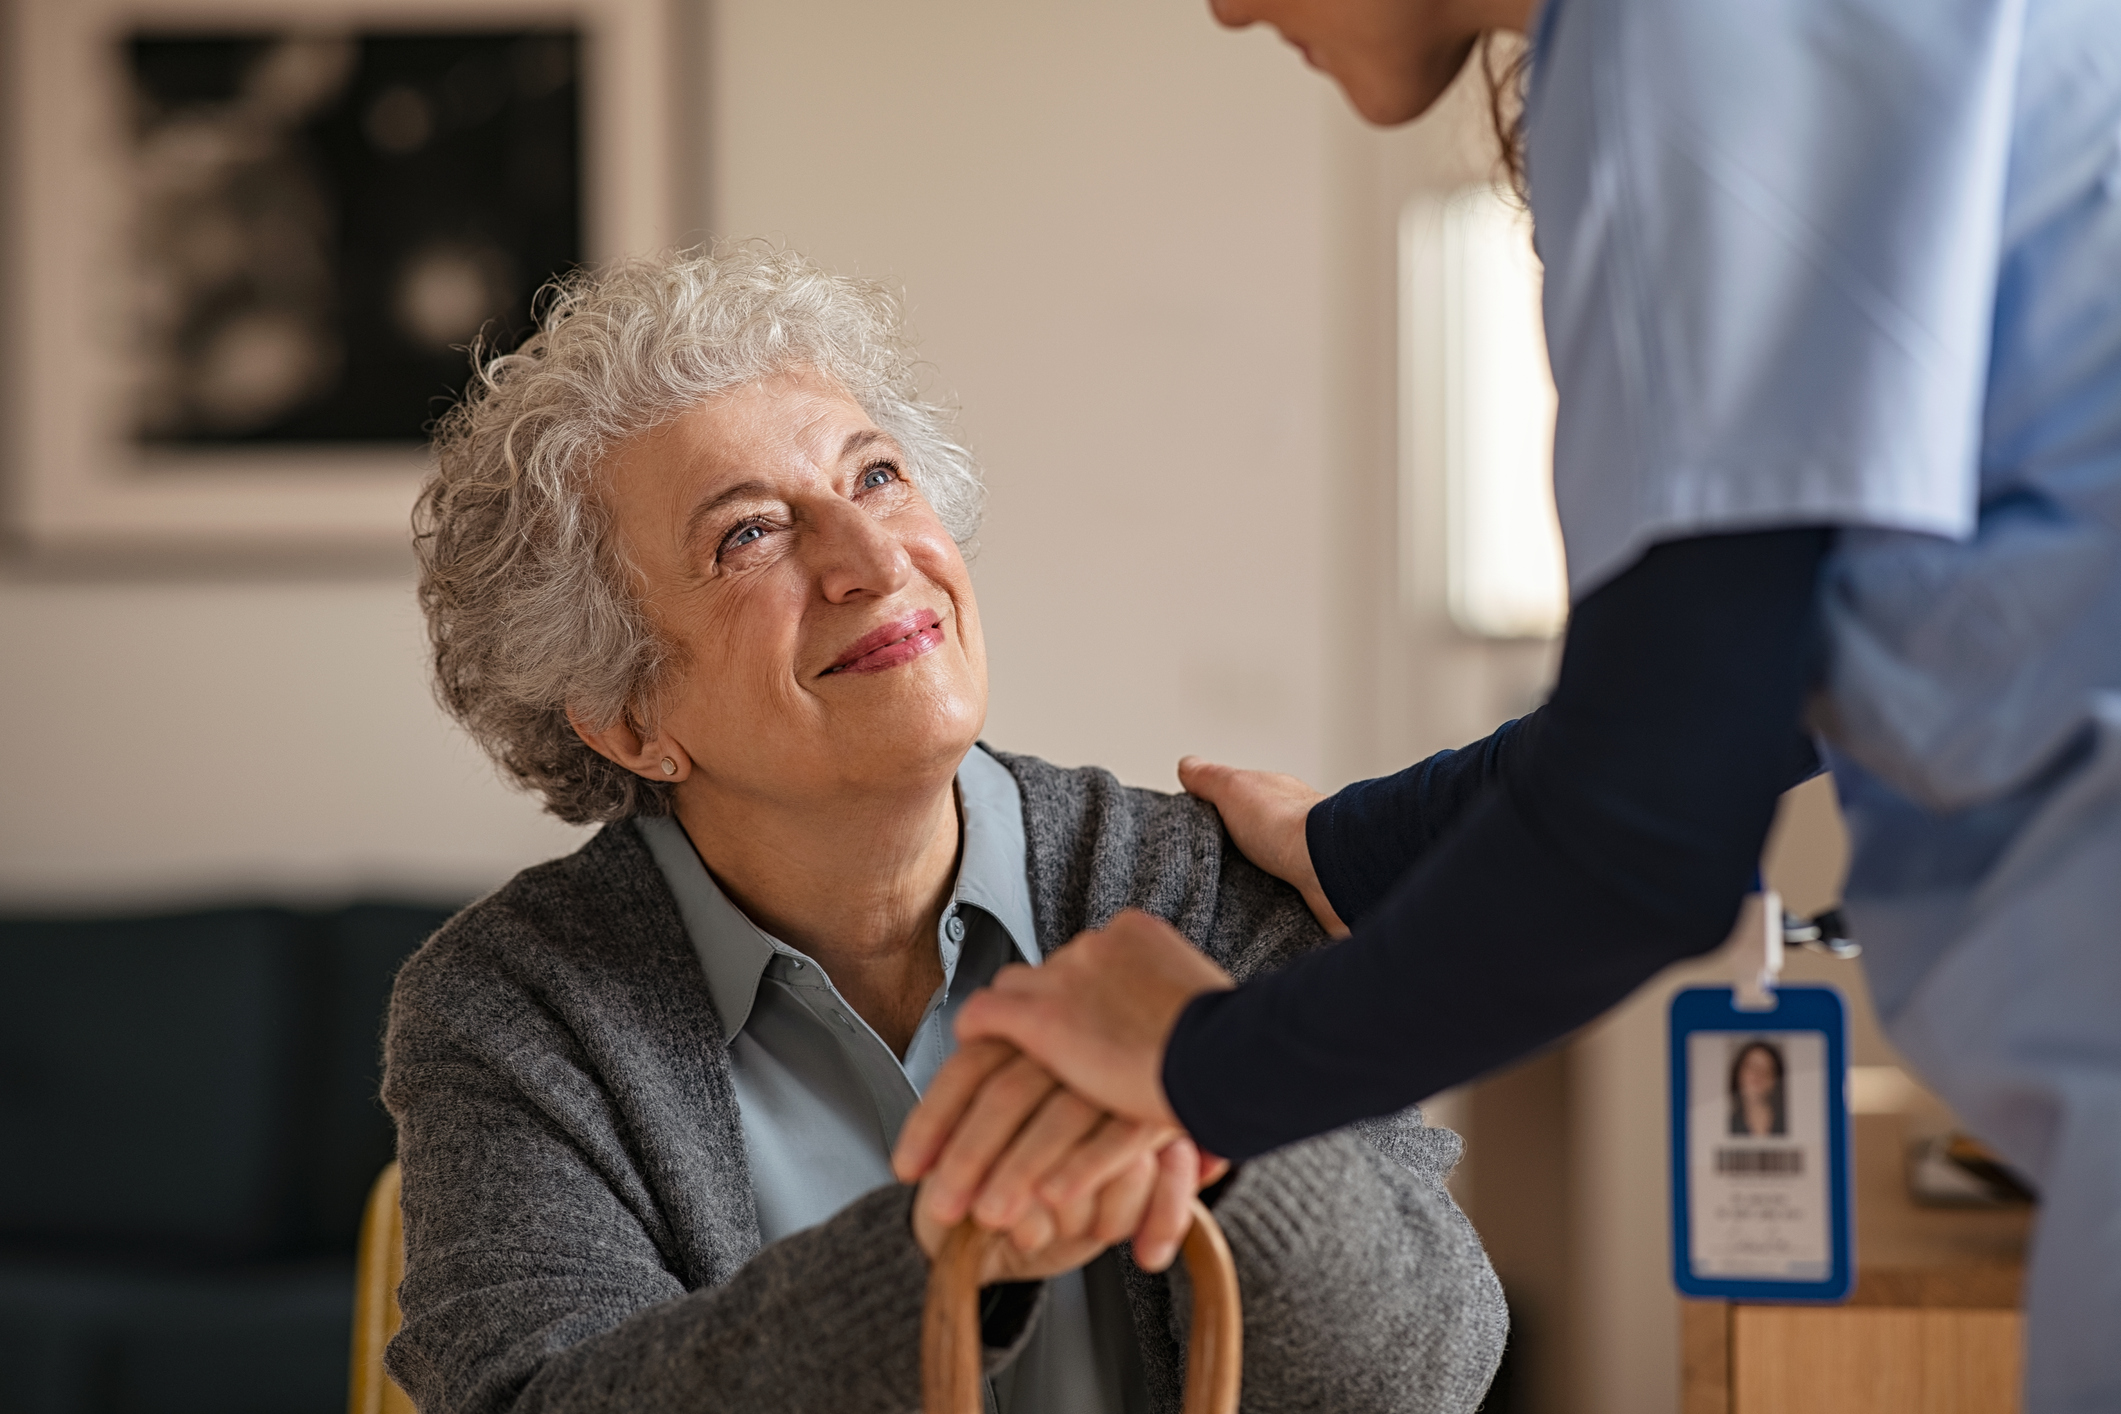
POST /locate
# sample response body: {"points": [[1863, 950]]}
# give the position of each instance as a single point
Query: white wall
{"points": [[181, 741], [1112, 222]]}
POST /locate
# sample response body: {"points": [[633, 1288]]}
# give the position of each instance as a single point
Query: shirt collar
{"points": [[734, 952], [732, 949], [993, 871]]}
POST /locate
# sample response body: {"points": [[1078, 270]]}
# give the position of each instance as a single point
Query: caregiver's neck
{"points": [[856, 879]]}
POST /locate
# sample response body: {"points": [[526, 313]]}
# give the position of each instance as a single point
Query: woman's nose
{"points": [[857, 556]]}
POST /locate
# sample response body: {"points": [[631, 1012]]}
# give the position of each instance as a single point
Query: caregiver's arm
{"points": [[1344, 852], [1370, 831], [1363, 838], [1625, 831], [1623, 834]]}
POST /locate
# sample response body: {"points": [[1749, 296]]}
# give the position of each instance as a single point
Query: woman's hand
{"points": [[996, 1134], [1118, 1179], [1147, 1198], [1265, 812]]}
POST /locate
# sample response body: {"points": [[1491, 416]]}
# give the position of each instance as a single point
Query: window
{"points": [[1475, 367]]}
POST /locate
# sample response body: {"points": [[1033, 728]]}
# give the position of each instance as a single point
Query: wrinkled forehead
{"points": [[798, 413], [797, 423], [792, 423]]}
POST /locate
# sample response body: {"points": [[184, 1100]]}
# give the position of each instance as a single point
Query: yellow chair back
{"points": [[379, 1267]]}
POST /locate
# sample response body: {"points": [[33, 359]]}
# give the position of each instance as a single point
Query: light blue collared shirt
{"points": [[821, 1098]]}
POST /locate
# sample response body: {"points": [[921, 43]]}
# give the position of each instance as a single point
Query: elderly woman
{"points": [[692, 565]]}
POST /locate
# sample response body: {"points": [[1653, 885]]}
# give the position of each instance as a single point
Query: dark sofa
{"points": [[188, 1128]]}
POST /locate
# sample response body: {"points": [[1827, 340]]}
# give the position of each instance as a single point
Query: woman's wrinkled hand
{"points": [[1146, 1198], [1265, 813], [1027, 1157], [1058, 1086]]}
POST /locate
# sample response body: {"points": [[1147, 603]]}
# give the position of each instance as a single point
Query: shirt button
{"points": [[955, 928]]}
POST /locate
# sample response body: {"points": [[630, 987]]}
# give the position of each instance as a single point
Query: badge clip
{"points": [[1756, 952]]}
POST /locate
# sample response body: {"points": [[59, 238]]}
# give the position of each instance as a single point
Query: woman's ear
{"points": [[654, 756]]}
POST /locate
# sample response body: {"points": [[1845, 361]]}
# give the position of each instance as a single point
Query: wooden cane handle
{"points": [[950, 1341], [1215, 1356]]}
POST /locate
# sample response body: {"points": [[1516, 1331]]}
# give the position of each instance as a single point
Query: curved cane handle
{"points": [[950, 1343]]}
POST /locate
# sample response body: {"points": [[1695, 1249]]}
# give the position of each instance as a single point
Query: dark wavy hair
{"points": [[1504, 63]]}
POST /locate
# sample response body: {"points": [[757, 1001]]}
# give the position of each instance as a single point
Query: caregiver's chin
{"points": [[828, 674], [1393, 58]]}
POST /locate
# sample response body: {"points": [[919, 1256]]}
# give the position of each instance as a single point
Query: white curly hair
{"points": [[531, 611]]}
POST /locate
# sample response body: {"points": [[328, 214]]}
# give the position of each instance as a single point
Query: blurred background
{"points": [[1262, 407]]}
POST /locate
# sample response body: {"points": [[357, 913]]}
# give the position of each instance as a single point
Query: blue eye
{"points": [[744, 536], [877, 476]]}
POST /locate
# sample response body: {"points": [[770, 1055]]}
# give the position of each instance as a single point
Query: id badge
{"points": [[1760, 1146]]}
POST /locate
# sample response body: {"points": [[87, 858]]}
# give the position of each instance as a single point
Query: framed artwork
{"points": [[253, 240]]}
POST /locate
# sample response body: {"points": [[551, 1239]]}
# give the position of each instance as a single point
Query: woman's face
{"points": [[829, 638], [1393, 58], [1756, 1075]]}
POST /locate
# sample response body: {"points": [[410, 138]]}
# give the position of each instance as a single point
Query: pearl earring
{"points": [[670, 767]]}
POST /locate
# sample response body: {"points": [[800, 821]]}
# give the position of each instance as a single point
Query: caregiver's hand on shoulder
{"points": [[1265, 813]]}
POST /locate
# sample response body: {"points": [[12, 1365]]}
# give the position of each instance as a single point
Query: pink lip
{"points": [[893, 644]]}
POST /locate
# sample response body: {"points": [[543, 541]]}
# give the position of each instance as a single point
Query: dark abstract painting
{"points": [[323, 224]]}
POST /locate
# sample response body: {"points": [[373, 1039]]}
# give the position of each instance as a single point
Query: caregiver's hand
{"points": [[1265, 811]]}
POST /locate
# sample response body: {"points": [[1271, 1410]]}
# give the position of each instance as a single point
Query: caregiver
{"points": [[1833, 300]]}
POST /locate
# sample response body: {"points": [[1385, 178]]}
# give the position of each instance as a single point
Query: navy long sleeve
{"points": [[1609, 834], [1365, 837]]}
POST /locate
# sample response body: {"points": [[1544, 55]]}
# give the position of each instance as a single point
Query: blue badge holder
{"points": [[1760, 1190]]}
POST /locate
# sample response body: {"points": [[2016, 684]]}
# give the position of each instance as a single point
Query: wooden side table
{"points": [[1934, 1325]]}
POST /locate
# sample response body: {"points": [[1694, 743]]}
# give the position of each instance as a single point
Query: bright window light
{"points": [[1506, 572]]}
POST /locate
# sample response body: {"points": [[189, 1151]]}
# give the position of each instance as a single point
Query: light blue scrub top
{"points": [[1858, 263], [821, 1098]]}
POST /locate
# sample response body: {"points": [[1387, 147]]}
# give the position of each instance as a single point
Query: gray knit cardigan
{"points": [[580, 1233]]}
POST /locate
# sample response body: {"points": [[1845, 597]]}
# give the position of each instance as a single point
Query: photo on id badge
{"points": [[1760, 1147]]}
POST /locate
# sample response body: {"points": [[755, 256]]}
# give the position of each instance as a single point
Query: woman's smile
{"points": [[890, 645]]}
